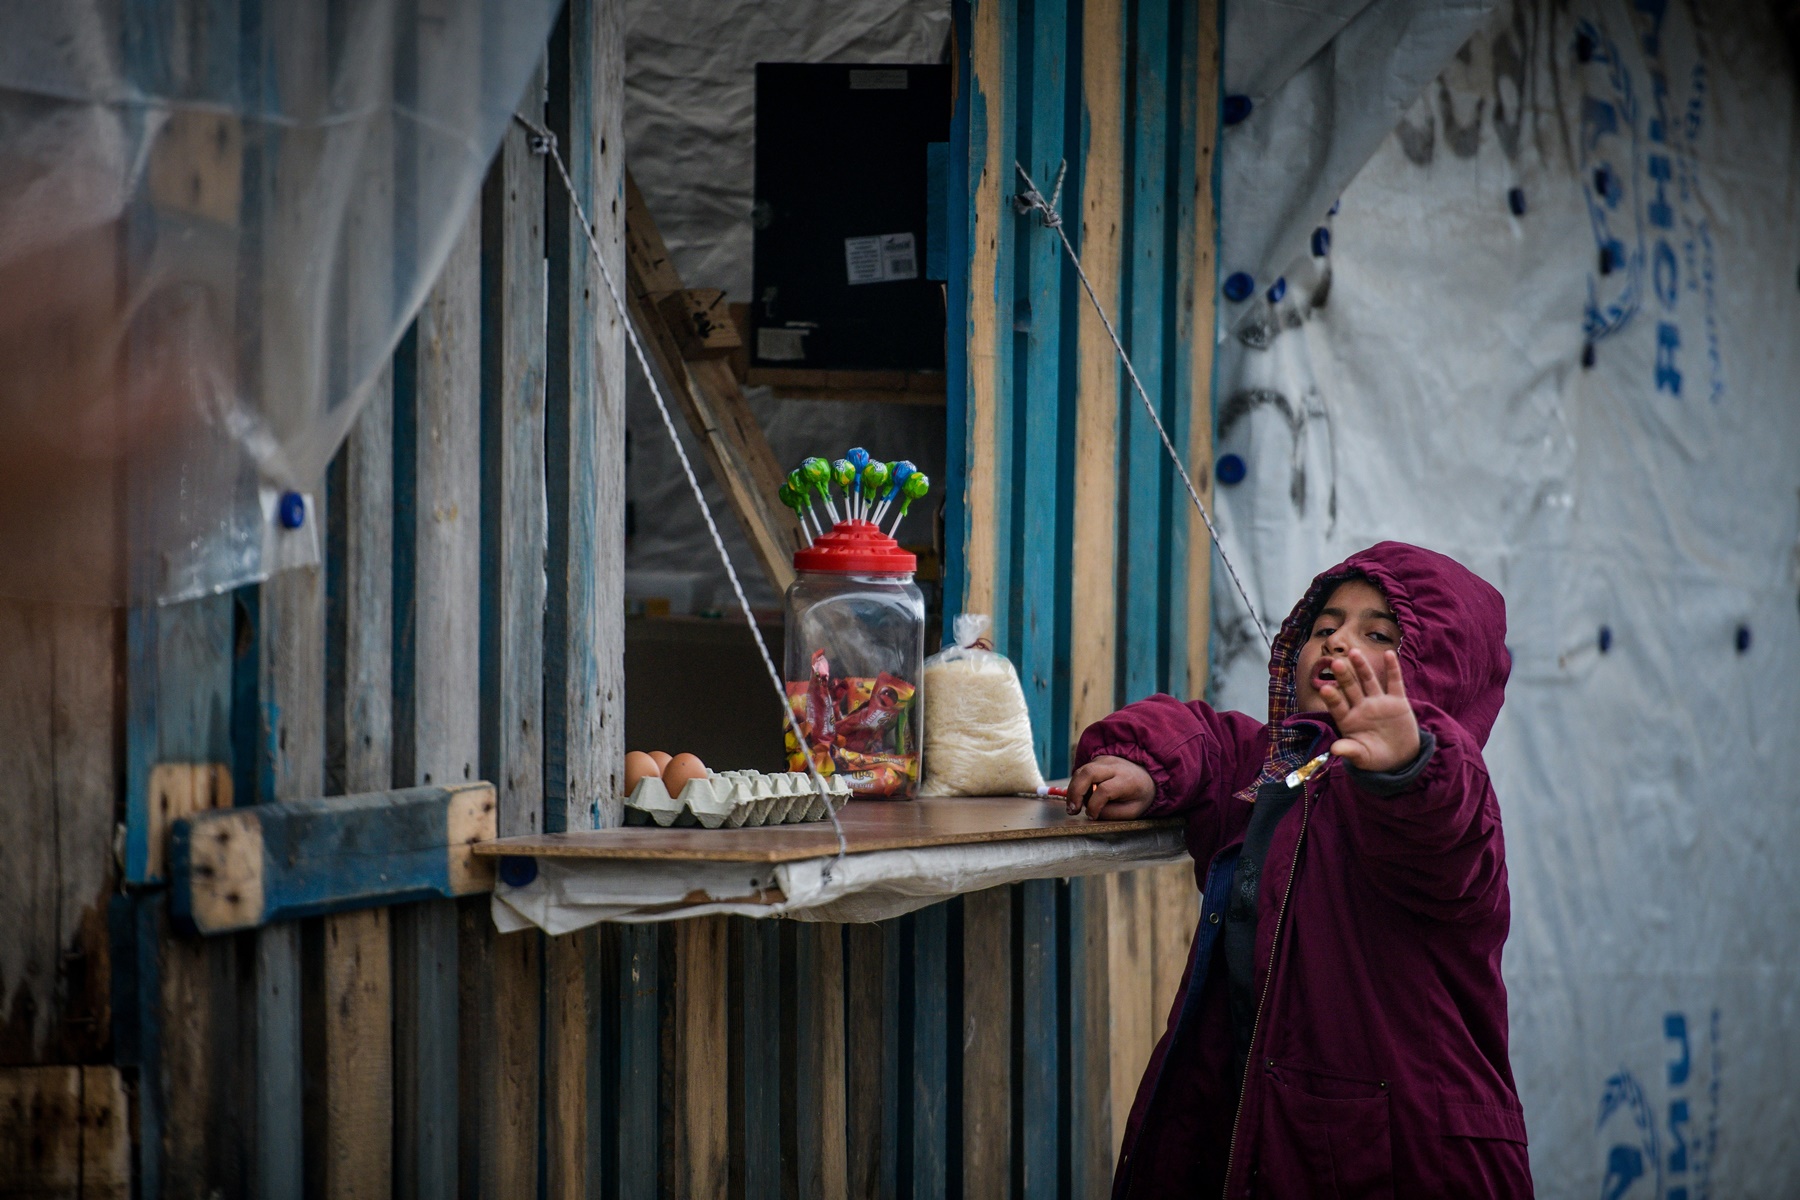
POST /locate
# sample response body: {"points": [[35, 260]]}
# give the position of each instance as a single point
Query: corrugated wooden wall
{"points": [[467, 623]]}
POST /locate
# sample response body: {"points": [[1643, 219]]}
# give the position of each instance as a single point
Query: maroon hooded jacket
{"points": [[1378, 1066]]}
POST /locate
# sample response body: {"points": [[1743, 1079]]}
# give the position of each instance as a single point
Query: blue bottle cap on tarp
{"points": [[290, 510], [517, 870], [1237, 108], [1605, 638], [1277, 290], [1515, 200], [1230, 469], [1321, 242], [1239, 285], [1743, 639]]}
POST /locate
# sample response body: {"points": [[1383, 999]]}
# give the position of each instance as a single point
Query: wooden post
{"points": [[584, 657]]}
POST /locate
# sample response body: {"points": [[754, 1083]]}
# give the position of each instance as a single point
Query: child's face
{"points": [[1355, 617]]}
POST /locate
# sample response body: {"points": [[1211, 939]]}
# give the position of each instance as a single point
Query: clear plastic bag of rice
{"points": [[977, 728]]}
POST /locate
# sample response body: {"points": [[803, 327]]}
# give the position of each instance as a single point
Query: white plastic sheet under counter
{"points": [[570, 894], [1426, 381]]}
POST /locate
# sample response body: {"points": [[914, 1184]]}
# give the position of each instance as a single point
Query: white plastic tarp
{"points": [[568, 894], [1426, 381], [214, 227]]}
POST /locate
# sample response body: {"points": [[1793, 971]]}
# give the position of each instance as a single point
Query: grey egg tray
{"points": [[733, 799]]}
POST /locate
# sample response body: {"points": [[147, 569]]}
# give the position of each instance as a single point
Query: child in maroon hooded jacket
{"points": [[1341, 1028]]}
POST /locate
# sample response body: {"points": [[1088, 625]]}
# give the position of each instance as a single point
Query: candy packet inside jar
{"points": [[977, 728]]}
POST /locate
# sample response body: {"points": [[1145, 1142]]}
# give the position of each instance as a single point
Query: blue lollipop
{"points": [[897, 476], [859, 458]]}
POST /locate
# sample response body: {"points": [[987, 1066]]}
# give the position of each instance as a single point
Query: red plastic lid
{"points": [[855, 548]]}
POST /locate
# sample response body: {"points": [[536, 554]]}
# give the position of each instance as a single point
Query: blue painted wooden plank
{"points": [[1148, 326], [1040, 1098], [1043, 399], [245, 867]]}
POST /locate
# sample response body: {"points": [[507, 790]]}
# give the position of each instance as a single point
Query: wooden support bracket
{"points": [[710, 398], [245, 867]]}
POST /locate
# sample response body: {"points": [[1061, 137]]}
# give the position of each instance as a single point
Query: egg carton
{"points": [[731, 799]]}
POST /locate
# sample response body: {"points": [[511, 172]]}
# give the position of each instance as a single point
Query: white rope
{"points": [[544, 142], [1031, 200]]}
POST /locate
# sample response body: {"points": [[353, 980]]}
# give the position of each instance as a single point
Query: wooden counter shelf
{"points": [[868, 825]]}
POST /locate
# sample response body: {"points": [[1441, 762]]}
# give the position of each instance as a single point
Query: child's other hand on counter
{"points": [[1111, 789]]}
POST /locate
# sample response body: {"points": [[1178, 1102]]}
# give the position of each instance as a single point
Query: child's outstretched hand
{"points": [[1111, 789], [1376, 727]]}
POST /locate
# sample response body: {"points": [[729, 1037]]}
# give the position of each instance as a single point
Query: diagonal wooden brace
{"points": [[709, 397]]}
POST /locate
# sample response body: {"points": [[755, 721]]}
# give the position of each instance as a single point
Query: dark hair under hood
{"points": [[1452, 649]]}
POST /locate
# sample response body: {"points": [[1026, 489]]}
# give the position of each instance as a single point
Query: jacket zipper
{"points": [[1263, 999]]}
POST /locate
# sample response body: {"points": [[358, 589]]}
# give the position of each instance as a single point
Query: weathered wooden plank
{"points": [[991, 152], [1129, 994], [179, 790], [987, 1009], [930, 1051], [568, 1020], [1089, 1022], [437, 467], [585, 446], [812, 1056], [869, 1152], [56, 750], [1200, 313], [696, 1085], [755, 1059], [1175, 901], [501, 994], [504, 1005], [1039, 1091], [351, 1151], [710, 398], [65, 1133], [1093, 583], [514, 516], [245, 867], [348, 1015], [631, 964]]}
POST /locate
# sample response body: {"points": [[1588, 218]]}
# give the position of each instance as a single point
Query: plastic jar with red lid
{"points": [[855, 625]]}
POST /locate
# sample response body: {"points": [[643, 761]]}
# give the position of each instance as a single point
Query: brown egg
{"points": [[637, 765], [682, 768], [661, 757]]}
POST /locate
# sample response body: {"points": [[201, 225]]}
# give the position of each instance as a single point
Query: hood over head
{"points": [[1452, 649]]}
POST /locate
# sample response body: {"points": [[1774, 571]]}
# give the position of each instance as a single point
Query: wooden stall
{"points": [[245, 943]]}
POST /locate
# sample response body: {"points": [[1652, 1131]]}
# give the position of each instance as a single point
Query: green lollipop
{"points": [[818, 477], [916, 485], [874, 478], [796, 482]]}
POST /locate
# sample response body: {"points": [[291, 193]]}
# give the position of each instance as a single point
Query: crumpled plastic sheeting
{"points": [[1426, 383], [212, 234], [570, 894], [1326, 82]]}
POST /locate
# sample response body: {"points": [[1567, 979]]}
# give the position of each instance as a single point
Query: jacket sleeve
{"points": [[1195, 755], [1434, 846]]}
